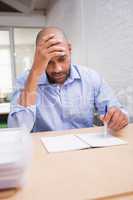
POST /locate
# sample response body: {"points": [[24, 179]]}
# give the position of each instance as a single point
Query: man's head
{"points": [[58, 68]]}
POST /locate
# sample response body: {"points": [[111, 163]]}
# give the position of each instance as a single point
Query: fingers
{"points": [[54, 54], [122, 123], [46, 38], [109, 114], [49, 40], [52, 42], [116, 119], [56, 48], [47, 48], [102, 118]]}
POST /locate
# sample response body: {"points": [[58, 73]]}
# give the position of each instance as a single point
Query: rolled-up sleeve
{"points": [[19, 115]]}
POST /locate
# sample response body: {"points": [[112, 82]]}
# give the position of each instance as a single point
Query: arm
{"points": [[23, 112], [45, 50], [19, 115], [116, 116]]}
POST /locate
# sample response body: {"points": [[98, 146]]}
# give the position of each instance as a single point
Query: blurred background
{"points": [[101, 33]]}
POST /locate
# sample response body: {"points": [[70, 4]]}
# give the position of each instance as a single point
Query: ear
{"points": [[70, 47]]}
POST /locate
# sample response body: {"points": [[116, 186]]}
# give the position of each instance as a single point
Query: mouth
{"points": [[59, 77]]}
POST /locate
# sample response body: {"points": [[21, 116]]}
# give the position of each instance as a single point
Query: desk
{"points": [[99, 173]]}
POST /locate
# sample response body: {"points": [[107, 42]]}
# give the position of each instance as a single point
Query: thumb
{"points": [[102, 118]]}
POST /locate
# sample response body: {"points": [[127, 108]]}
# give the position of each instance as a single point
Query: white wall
{"points": [[111, 45], [102, 35], [67, 15]]}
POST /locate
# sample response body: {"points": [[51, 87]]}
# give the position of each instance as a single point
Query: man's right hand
{"points": [[49, 46]]}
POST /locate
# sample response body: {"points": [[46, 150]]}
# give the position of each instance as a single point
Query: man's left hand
{"points": [[115, 118]]}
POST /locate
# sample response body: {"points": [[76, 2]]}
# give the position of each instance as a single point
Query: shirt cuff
{"points": [[18, 108]]}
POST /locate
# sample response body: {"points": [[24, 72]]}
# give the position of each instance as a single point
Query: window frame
{"points": [[12, 47]]}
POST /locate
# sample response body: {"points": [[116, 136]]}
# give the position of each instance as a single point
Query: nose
{"points": [[57, 68]]}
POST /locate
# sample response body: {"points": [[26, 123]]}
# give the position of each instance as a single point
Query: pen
{"points": [[105, 123]]}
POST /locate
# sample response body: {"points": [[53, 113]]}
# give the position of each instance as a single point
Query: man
{"points": [[57, 95]]}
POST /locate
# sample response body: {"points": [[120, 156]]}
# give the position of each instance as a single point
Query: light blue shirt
{"points": [[67, 106]]}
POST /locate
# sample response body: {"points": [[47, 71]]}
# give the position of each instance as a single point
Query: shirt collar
{"points": [[73, 75]]}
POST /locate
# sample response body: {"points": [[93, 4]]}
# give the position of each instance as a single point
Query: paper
{"points": [[15, 148], [100, 140], [63, 143], [80, 141]]}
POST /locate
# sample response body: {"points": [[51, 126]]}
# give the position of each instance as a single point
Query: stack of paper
{"points": [[80, 141], [15, 151]]}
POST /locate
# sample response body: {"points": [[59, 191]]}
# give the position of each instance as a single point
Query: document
{"points": [[100, 140], [79, 141], [63, 143]]}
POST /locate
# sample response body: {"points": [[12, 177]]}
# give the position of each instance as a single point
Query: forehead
{"points": [[58, 58]]}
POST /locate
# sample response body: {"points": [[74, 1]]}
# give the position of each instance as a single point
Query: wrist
{"points": [[35, 73], [39, 65], [31, 83]]}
